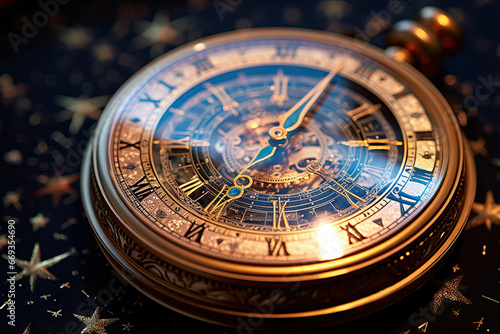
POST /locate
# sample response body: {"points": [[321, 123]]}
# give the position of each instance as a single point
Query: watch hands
{"points": [[292, 119], [263, 153]]}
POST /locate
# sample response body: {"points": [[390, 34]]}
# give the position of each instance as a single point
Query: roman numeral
{"points": [[365, 70], [421, 176], [195, 232], [142, 189], [376, 171], [362, 111], [373, 144], [352, 233], [124, 145], [404, 199], [280, 88], [402, 93], [218, 203], [425, 135], [181, 144], [203, 65], [170, 87], [191, 186], [220, 93], [279, 214], [148, 98], [277, 246], [345, 193], [286, 51]]}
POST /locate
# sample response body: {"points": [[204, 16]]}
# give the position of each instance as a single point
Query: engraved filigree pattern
{"points": [[290, 295]]}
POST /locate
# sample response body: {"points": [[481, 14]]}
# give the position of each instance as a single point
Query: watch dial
{"points": [[197, 139]]}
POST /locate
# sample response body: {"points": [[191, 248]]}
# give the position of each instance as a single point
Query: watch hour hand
{"points": [[263, 154]]}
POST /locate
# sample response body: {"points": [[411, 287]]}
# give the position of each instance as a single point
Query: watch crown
{"points": [[423, 42]]}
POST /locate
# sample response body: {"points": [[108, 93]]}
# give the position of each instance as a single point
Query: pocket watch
{"points": [[291, 178]]}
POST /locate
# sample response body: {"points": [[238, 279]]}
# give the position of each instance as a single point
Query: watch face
{"points": [[360, 165], [275, 155]]}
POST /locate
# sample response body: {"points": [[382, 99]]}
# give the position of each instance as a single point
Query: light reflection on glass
{"points": [[328, 243]]}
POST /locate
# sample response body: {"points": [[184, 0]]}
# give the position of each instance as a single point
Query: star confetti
{"points": [[35, 268], [12, 198], [79, 109], [39, 221], [449, 291], [487, 213], [57, 186], [95, 324]]}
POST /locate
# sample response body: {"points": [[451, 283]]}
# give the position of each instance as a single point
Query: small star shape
{"points": [[95, 324], [39, 221], [487, 213], [35, 268], [79, 109], [127, 327], [478, 147], [55, 313], [57, 186], [455, 268], [161, 31], [45, 296], [12, 198], [449, 291]]}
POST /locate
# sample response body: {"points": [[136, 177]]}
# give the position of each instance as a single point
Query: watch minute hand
{"points": [[294, 117]]}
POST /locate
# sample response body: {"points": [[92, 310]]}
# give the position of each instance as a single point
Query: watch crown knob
{"points": [[444, 27], [426, 40]]}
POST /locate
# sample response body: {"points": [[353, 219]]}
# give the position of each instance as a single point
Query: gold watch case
{"points": [[276, 289]]}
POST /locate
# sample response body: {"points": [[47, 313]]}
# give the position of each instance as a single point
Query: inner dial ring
{"points": [[324, 169]]}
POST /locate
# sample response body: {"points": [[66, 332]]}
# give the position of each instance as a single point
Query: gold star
{"points": [[12, 198], [449, 291], [55, 313], [95, 324], [477, 147], [455, 268], [35, 268], [79, 108], [57, 186], [39, 221], [423, 327], [479, 323], [487, 213], [45, 296], [127, 327], [161, 32]]}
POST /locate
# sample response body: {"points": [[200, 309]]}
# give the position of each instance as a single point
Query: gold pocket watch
{"points": [[294, 177]]}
